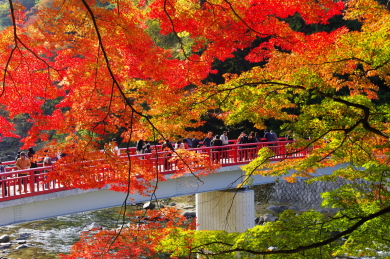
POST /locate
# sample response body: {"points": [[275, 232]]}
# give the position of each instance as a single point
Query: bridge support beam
{"points": [[230, 210]]}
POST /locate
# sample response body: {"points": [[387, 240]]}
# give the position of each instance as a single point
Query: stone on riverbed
{"points": [[265, 218], [149, 206], [4, 239], [5, 245], [22, 246], [91, 226], [189, 214], [23, 236]]}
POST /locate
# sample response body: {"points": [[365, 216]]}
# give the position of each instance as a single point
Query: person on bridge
{"points": [[180, 145], [274, 137], [224, 138], [147, 149], [2, 168], [195, 142], [31, 157], [17, 155], [23, 162], [140, 144], [243, 138], [251, 139], [115, 149], [267, 136], [225, 141], [207, 140], [257, 137], [3, 183], [188, 141], [167, 146], [46, 160], [185, 143], [216, 142]]}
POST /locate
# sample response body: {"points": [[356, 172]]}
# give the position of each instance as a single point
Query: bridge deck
{"points": [[32, 182]]}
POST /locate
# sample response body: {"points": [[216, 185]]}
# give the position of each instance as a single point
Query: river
{"points": [[50, 237], [47, 238]]}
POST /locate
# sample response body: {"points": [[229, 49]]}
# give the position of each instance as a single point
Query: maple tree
{"points": [[328, 88], [142, 65], [131, 241]]}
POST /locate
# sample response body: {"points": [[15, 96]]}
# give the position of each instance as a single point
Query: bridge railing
{"points": [[25, 183], [31, 182]]}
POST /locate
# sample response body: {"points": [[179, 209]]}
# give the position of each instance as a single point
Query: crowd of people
{"points": [[210, 140], [24, 160], [27, 160]]}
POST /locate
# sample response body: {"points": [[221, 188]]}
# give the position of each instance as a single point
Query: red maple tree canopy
{"points": [[85, 71], [96, 56]]}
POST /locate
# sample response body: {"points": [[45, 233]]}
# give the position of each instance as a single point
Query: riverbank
{"points": [[45, 239]]}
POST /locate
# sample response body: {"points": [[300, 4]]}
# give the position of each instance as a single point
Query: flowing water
{"points": [[49, 237]]}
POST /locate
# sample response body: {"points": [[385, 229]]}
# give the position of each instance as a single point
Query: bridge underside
{"points": [[75, 200]]}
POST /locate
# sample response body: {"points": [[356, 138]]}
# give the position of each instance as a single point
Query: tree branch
{"points": [[299, 248]]}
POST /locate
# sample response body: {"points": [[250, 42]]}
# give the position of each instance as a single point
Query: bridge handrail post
{"points": [[156, 158], [235, 154], [209, 153], [31, 181], [277, 149]]}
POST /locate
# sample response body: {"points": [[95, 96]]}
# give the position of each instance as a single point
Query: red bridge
{"points": [[30, 196], [17, 184]]}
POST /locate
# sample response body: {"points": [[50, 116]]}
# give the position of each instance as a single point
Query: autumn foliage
{"points": [[83, 70], [132, 240]]}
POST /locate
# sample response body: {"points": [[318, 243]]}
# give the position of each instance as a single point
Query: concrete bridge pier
{"points": [[230, 210]]}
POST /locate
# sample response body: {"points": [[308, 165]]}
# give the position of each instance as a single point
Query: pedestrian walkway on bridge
{"points": [[32, 182]]}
